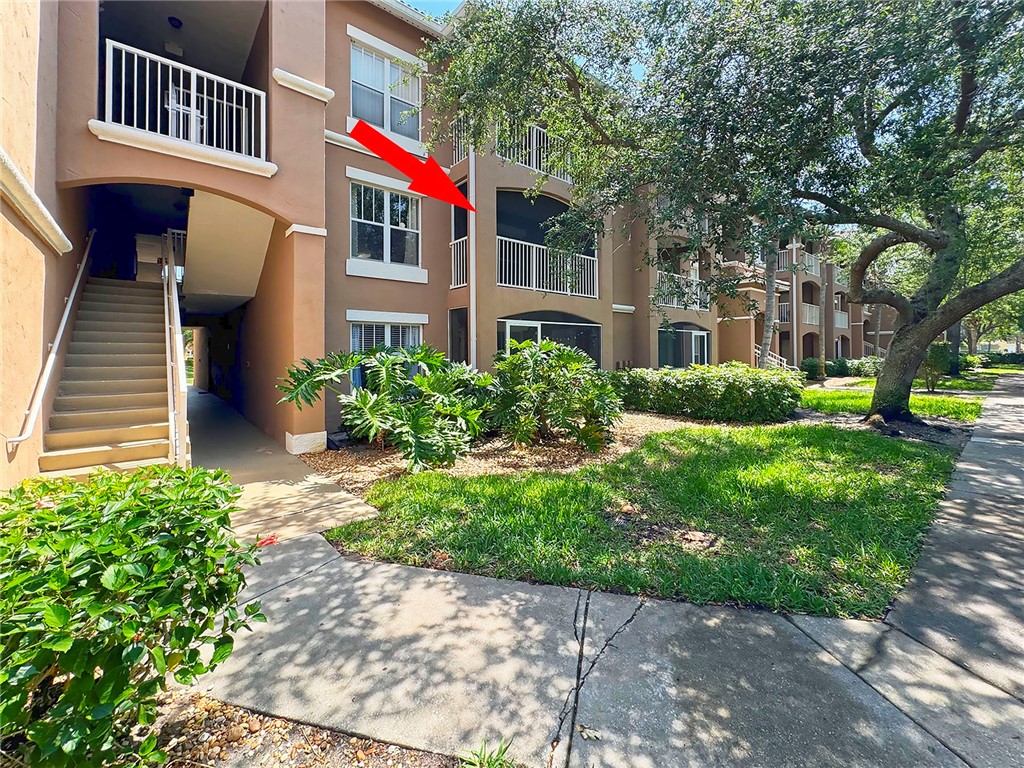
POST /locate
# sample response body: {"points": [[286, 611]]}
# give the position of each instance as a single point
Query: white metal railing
{"points": [[178, 237], [460, 262], [177, 383], [532, 266], [785, 314], [809, 262], [43, 382], [810, 314], [532, 146], [775, 360], [681, 292], [460, 142], [842, 319], [812, 263], [157, 95]]}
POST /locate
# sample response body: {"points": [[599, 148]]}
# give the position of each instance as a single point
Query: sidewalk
{"points": [[439, 661]]}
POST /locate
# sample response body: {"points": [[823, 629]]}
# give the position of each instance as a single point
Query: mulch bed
{"points": [[938, 430], [198, 731]]}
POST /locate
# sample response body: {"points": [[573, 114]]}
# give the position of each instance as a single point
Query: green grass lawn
{"points": [[852, 401], [1005, 368], [970, 382], [805, 518]]}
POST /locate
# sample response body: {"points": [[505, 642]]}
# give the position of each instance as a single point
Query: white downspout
{"points": [[472, 258]]}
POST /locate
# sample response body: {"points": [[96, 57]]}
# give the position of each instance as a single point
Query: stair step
{"points": [[109, 416], [122, 319], [121, 308], [95, 402], [109, 282], [117, 347], [114, 385], [95, 372], [77, 458], [106, 324], [80, 473], [103, 436], [98, 360], [121, 335], [142, 298]]}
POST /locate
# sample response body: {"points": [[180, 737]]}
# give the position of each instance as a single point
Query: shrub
{"points": [[811, 367], [970, 362], [550, 390], [106, 585], [866, 366], [936, 363], [838, 367], [414, 399], [729, 392], [1004, 358]]}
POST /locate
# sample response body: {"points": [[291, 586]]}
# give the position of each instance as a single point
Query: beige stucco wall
{"points": [[34, 279]]}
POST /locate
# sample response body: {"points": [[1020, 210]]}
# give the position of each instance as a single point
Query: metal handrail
{"points": [[177, 385], [43, 383]]}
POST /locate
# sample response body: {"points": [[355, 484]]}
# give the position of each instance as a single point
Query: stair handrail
{"points": [[177, 384], [43, 382]]}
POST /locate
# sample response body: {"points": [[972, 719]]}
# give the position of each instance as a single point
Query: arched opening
{"points": [[809, 345], [842, 346], [682, 345], [562, 327]]}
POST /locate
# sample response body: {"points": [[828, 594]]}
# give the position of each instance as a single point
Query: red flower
{"points": [[266, 541]]}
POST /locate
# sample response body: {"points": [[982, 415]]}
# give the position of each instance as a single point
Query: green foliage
{"points": [[936, 363], [106, 585], [811, 367], [847, 401], [866, 366], [483, 757], [838, 367], [547, 390], [993, 359], [414, 399], [731, 392], [970, 362], [807, 518]]}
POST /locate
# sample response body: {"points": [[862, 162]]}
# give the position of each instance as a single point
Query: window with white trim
{"points": [[385, 92], [385, 225], [369, 335]]}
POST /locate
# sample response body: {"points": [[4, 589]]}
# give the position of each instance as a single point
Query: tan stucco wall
{"points": [[34, 279]]}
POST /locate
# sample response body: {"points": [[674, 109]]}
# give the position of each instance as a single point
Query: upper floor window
{"points": [[385, 225], [385, 92]]}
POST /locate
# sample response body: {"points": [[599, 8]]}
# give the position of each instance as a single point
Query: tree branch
{"points": [[1008, 281], [861, 295], [850, 215], [968, 71]]}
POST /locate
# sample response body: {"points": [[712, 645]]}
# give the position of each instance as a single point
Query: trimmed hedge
{"points": [[989, 359], [731, 392]]}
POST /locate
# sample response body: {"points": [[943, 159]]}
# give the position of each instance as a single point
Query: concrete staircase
{"points": [[111, 406]]}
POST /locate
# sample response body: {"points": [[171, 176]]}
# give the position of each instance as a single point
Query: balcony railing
{"points": [[842, 319], [460, 262], [531, 146], [811, 314], [154, 94], [809, 262], [785, 312], [681, 292], [460, 142], [532, 266]]}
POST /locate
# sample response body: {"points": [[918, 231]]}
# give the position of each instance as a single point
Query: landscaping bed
{"points": [[811, 518]]}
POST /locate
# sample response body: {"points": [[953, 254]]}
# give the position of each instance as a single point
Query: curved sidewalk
{"points": [[439, 661]]}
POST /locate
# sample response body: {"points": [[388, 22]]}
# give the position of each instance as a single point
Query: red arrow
{"points": [[428, 178]]}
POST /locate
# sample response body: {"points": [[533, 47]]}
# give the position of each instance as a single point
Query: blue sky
{"points": [[434, 7]]}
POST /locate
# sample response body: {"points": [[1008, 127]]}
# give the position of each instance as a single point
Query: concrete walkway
{"points": [[280, 494], [439, 661]]}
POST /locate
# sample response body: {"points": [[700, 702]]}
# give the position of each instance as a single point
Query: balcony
{"points": [[531, 146], [811, 314], [808, 262], [681, 292], [785, 314], [460, 263], [842, 319], [533, 267], [184, 110]]}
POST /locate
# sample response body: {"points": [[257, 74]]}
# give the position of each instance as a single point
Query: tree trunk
{"points": [[972, 341], [878, 329], [771, 260], [903, 357], [955, 339]]}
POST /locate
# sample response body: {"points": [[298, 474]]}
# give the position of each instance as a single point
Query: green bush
{"points": [[838, 367], [811, 367], [106, 585], [970, 362], [1002, 358], [550, 390], [731, 392], [936, 363], [414, 399], [866, 366]]}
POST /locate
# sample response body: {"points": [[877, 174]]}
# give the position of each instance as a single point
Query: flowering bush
{"points": [[866, 366], [106, 586], [730, 392]]}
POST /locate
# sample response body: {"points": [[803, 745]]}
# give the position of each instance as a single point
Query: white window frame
{"points": [[391, 56], [389, 329], [388, 226]]}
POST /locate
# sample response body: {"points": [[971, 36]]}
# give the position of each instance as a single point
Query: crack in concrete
{"points": [[572, 699], [877, 650]]}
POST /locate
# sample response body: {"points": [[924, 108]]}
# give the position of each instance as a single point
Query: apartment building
{"points": [[174, 164]]}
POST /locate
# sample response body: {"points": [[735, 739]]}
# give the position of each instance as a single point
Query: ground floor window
{"points": [[683, 345], [458, 335], [568, 330], [369, 335]]}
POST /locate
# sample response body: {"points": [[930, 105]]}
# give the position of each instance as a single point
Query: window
{"points": [[385, 93], [683, 345], [369, 335], [385, 225]]}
